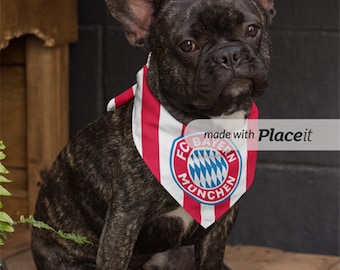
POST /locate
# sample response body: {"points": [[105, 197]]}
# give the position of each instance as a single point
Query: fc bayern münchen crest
{"points": [[207, 169]]}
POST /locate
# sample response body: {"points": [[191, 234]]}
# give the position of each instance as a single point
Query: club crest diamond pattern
{"points": [[205, 168]]}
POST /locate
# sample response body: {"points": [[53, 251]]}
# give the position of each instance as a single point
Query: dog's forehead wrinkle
{"points": [[208, 20], [216, 23]]}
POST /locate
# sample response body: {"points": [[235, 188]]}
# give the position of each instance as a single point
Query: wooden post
{"points": [[47, 108]]}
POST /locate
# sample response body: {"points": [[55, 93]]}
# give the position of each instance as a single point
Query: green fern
{"points": [[42, 225], [7, 223]]}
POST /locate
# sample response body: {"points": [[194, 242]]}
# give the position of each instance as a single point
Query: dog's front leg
{"points": [[209, 251], [118, 239]]}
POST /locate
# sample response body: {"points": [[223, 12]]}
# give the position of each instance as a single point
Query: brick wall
{"points": [[294, 202]]}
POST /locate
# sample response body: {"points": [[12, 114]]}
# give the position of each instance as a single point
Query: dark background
{"points": [[294, 201]]}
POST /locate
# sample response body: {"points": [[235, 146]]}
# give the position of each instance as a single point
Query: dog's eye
{"points": [[188, 46], [252, 30]]}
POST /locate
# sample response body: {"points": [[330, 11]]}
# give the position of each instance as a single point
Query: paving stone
{"points": [[262, 258], [237, 258]]}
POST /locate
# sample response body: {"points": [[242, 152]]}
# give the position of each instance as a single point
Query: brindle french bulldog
{"points": [[209, 58]]}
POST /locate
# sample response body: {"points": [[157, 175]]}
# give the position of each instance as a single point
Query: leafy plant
{"points": [[42, 225], [6, 222]]}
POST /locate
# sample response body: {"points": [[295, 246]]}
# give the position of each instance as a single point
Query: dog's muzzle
{"points": [[231, 57]]}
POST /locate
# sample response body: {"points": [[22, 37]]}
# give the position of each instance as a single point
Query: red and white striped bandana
{"points": [[206, 180]]}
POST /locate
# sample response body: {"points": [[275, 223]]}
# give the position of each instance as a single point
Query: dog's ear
{"points": [[268, 6], [135, 17]]}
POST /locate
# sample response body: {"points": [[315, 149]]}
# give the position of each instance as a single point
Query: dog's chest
{"points": [[182, 215], [236, 115]]}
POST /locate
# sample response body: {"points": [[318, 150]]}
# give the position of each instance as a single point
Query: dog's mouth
{"points": [[238, 87], [225, 100]]}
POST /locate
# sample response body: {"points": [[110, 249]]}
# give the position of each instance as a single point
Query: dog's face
{"points": [[209, 57]]}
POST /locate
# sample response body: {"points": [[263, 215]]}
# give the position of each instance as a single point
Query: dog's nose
{"points": [[229, 57]]}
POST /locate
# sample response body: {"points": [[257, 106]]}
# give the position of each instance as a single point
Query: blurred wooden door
{"points": [[34, 82]]}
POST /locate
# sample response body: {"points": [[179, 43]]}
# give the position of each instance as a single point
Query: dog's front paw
{"points": [[225, 267], [181, 258]]}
